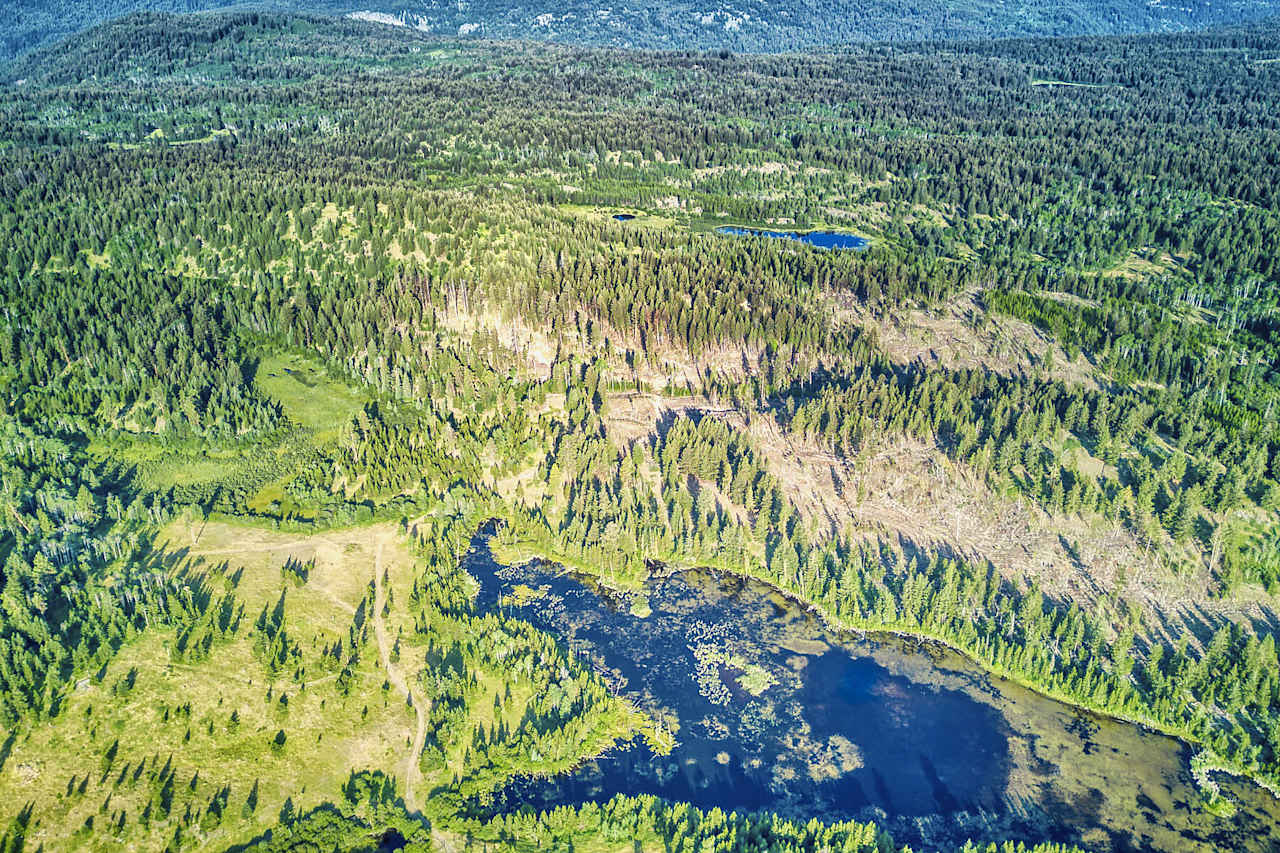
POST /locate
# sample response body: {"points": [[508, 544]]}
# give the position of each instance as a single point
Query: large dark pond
{"points": [[821, 239], [774, 711]]}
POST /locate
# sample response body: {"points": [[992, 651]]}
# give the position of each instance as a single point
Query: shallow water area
{"points": [[772, 710], [821, 239]]}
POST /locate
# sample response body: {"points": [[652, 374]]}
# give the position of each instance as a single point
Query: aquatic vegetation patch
{"points": [[713, 655], [522, 595], [708, 660], [711, 660], [834, 758], [755, 679]]}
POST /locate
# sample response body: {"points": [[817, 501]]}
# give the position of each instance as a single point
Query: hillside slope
{"points": [[737, 25]]}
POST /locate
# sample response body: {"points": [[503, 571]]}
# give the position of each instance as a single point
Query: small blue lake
{"points": [[821, 239]]}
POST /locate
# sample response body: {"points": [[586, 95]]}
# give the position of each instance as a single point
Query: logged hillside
{"points": [[293, 305], [761, 26]]}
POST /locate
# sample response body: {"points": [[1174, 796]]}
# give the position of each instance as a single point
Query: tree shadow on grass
{"points": [[387, 825]]}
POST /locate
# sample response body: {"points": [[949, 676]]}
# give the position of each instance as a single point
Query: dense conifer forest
{"points": [[293, 306]]}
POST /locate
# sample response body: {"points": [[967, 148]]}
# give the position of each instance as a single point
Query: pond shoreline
{"points": [[1214, 762], [851, 710], [660, 569]]}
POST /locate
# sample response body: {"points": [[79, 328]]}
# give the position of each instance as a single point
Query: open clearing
{"points": [[309, 396], [179, 713]]}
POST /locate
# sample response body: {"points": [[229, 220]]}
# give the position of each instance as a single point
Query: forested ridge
{"points": [[336, 289], [773, 27]]}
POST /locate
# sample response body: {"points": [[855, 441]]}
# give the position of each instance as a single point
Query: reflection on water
{"points": [[774, 711]]}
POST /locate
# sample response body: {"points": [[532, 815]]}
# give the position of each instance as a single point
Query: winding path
{"points": [[397, 679]]}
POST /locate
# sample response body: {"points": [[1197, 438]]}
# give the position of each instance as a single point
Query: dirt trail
{"points": [[397, 679]]}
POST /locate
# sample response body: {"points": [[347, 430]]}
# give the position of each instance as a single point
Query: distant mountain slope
{"points": [[162, 46], [31, 23], [739, 25], [778, 25]]}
